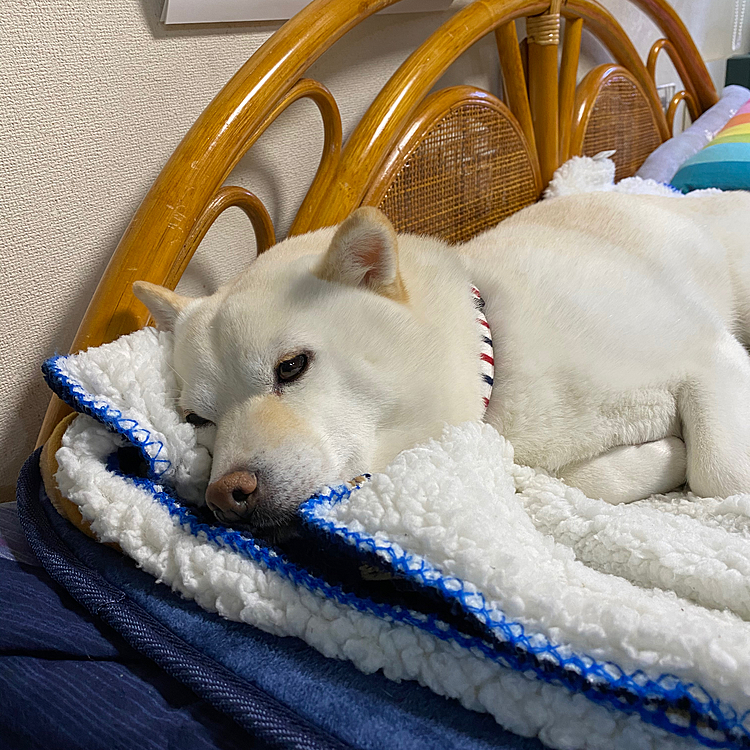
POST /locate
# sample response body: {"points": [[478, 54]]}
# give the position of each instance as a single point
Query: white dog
{"points": [[618, 324]]}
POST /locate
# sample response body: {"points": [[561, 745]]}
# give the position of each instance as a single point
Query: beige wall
{"points": [[94, 98]]}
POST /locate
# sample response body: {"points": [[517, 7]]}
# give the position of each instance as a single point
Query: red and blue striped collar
{"points": [[486, 353]]}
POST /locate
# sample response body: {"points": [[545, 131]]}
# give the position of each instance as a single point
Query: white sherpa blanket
{"points": [[589, 625]]}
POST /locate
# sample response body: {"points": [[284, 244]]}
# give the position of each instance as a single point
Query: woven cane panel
{"points": [[621, 119], [469, 171]]}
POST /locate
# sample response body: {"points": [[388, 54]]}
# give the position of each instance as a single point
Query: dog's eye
{"points": [[193, 419], [290, 369]]}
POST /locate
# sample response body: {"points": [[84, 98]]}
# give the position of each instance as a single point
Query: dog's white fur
{"points": [[618, 324]]}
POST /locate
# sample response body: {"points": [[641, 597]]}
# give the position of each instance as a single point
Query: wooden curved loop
{"points": [[230, 196], [332, 139], [653, 55], [253, 207], [691, 68], [681, 96], [690, 92]]}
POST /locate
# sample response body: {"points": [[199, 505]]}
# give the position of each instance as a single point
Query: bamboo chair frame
{"points": [[544, 113]]}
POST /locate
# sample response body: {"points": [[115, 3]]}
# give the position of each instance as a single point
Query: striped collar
{"points": [[486, 355]]}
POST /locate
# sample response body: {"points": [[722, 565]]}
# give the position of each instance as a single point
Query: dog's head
{"points": [[308, 369]]}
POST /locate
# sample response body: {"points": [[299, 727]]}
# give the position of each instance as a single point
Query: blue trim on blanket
{"points": [[659, 702], [274, 560], [678, 193], [656, 701], [680, 708], [78, 398]]}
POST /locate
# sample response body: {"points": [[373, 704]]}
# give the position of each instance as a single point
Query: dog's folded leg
{"points": [[714, 406], [630, 472]]}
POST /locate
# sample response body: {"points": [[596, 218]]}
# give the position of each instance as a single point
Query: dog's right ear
{"points": [[163, 304], [364, 253]]}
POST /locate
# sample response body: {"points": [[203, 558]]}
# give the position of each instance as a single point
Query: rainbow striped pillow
{"points": [[724, 163]]}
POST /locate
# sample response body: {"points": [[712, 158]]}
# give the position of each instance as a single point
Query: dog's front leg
{"points": [[714, 406], [630, 472]]}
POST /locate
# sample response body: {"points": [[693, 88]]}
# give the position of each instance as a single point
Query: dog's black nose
{"points": [[231, 497]]}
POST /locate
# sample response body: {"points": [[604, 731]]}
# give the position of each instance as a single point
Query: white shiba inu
{"points": [[619, 325]]}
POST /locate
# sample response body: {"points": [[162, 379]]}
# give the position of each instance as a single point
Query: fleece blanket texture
{"points": [[585, 624]]}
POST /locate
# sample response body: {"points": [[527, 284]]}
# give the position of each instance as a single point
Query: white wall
{"points": [[94, 98]]}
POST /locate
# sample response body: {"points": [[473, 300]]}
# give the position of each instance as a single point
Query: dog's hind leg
{"points": [[630, 472], [714, 407]]}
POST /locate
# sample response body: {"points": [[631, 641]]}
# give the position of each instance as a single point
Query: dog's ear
{"points": [[163, 304], [364, 253]]}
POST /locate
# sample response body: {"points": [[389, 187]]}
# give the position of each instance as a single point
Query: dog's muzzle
{"points": [[233, 496]]}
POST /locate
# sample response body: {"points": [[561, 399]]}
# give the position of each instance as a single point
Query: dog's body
{"points": [[618, 324]]}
